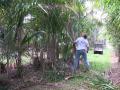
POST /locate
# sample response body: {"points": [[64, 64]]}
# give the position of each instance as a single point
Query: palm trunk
{"points": [[19, 65], [8, 65], [57, 50], [51, 49]]}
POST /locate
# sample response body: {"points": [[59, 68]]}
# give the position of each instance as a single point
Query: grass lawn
{"points": [[100, 62]]}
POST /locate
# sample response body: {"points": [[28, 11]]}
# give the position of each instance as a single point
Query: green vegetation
{"points": [[100, 62], [92, 81], [43, 31], [113, 22], [53, 76]]}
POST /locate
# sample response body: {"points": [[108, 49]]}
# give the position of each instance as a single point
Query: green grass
{"points": [[91, 81], [94, 79], [100, 62]]}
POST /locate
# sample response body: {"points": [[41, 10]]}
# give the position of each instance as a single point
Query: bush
{"points": [[53, 76]]}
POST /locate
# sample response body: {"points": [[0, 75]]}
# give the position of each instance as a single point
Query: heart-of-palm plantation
{"points": [[38, 49]]}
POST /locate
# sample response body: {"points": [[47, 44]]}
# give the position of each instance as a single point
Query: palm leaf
{"points": [[28, 38]]}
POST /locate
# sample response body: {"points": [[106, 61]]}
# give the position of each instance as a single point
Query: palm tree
{"points": [[50, 30]]}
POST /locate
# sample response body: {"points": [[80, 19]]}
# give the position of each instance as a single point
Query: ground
{"points": [[57, 86], [75, 83], [33, 81], [96, 79], [114, 73]]}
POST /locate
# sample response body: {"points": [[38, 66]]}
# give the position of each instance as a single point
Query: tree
{"points": [[113, 24], [50, 28], [13, 17]]}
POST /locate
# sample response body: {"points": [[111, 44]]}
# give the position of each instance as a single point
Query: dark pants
{"points": [[77, 58]]}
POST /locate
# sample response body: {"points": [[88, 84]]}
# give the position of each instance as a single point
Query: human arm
{"points": [[74, 47]]}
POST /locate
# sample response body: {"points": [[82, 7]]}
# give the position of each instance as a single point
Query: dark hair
{"points": [[85, 36]]}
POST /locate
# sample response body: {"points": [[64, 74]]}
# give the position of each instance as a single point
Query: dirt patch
{"points": [[114, 73], [57, 86], [31, 77], [34, 80]]}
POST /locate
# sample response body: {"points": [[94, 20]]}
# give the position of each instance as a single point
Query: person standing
{"points": [[82, 47]]}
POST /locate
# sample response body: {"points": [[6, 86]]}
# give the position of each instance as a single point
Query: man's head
{"points": [[85, 36]]}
